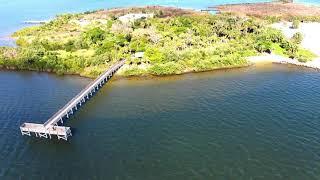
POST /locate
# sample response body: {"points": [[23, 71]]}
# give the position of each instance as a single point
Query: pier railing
{"points": [[51, 127]]}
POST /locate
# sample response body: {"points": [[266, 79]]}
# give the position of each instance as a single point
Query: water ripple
{"points": [[245, 124]]}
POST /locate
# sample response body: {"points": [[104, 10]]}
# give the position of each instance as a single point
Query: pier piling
{"points": [[50, 127]]}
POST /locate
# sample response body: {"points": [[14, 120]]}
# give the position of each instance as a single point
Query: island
{"points": [[154, 40]]}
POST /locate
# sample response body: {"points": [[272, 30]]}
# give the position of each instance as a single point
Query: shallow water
{"points": [[309, 2], [249, 123], [14, 12]]}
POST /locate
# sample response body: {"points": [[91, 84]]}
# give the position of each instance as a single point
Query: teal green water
{"points": [[250, 123], [14, 12], [309, 2]]}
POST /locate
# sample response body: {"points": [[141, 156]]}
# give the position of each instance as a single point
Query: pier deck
{"points": [[52, 125], [39, 130]]}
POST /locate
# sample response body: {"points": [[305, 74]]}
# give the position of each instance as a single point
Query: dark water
{"points": [[251, 123]]}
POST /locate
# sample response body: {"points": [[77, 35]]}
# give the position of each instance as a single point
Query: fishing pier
{"points": [[54, 125]]}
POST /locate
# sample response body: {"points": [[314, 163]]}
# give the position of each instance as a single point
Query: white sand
{"points": [[310, 32], [267, 58], [273, 58], [311, 41]]}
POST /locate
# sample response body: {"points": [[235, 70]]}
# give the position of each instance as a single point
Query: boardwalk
{"points": [[52, 125]]}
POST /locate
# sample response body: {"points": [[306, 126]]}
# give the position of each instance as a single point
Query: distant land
{"points": [[158, 40], [279, 9]]}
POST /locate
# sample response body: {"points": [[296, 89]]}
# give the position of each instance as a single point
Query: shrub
{"points": [[138, 45], [70, 46], [154, 55], [271, 35], [273, 19], [21, 42], [134, 70], [106, 46], [166, 69], [295, 24], [264, 47], [276, 49], [297, 38], [290, 48], [304, 55], [95, 35]]}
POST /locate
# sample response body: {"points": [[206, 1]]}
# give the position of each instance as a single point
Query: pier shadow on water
{"points": [[252, 123]]}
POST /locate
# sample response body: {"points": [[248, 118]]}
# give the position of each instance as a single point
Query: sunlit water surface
{"points": [[14, 12], [249, 123]]}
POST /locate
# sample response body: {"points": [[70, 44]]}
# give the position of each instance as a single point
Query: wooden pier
{"points": [[53, 126]]}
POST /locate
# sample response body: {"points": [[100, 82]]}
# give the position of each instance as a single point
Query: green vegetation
{"points": [[297, 38], [295, 24], [296, 19], [304, 55], [272, 19], [170, 43], [303, 19]]}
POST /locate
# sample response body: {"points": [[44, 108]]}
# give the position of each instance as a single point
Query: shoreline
{"points": [[270, 9], [310, 41], [264, 59], [251, 60], [117, 76], [277, 59]]}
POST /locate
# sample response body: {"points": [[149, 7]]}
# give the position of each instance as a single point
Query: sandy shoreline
{"points": [[277, 59], [279, 9], [311, 41], [310, 31]]}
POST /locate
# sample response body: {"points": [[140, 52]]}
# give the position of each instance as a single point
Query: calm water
{"points": [[14, 12], [310, 2], [251, 123]]}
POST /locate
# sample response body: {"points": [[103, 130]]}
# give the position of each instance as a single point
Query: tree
{"points": [[297, 38], [295, 24], [154, 55], [264, 47], [95, 35]]}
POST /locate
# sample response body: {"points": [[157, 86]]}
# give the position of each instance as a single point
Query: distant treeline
{"points": [[172, 42]]}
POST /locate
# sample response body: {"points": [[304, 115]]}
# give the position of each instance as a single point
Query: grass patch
{"points": [[304, 55]]}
